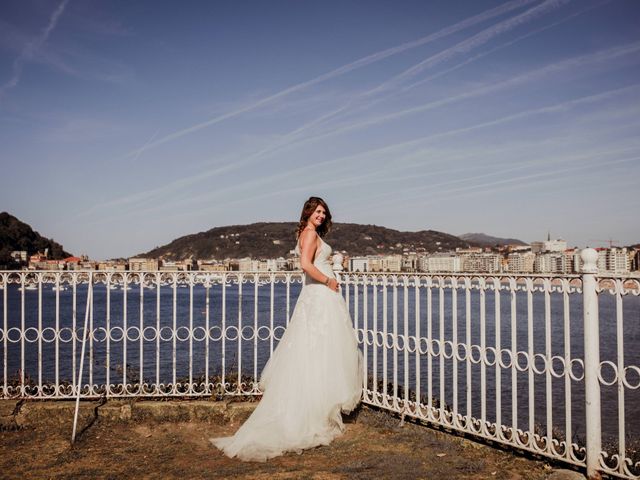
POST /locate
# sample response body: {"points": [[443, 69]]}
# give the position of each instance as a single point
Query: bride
{"points": [[315, 372]]}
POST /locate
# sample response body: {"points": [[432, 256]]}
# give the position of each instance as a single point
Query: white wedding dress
{"points": [[313, 375]]}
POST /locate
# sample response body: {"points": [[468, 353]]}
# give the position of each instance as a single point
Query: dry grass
{"points": [[374, 446]]}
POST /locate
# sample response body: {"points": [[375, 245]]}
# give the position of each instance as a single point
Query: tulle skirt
{"points": [[313, 375]]}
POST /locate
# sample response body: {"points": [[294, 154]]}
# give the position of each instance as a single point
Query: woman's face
{"points": [[318, 216]]}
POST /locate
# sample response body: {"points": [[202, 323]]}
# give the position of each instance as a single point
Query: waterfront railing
{"points": [[546, 364]]}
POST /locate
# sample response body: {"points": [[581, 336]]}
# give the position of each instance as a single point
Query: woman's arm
{"points": [[308, 247]]}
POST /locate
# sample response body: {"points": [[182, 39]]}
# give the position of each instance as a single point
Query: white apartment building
{"points": [[558, 245], [553, 262], [247, 264], [140, 263], [613, 261], [441, 263], [392, 263], [481, 262], [410, 263], [19, 255], [375, 264], [359, 264], [388, 263], [521, 262], [293, 263], [537, 247], [281, 263]]}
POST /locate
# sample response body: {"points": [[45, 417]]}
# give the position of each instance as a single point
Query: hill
{"points": [[272, 240], [483, 240], [17, 235]]}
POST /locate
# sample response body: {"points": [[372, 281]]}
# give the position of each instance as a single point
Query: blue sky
{"points": [[124, 125]]}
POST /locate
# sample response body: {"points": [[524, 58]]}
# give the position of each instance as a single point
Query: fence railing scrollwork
{"points": [[546, 364]]}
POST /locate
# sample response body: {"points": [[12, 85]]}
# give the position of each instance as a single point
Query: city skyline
{"points": [[127, 126]]}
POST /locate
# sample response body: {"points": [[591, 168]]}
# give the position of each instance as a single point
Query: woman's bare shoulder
{"points": [[307, 237]]}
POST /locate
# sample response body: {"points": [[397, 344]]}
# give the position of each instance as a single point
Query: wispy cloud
{"points": [[606, 55], [32, 48], [399, 151], [502, 46], [362, 62], [431, 194], [295, 138], [289, 138], [470, 44]]}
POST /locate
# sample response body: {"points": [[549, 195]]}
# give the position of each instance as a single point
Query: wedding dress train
{"points": [[313, 375]]}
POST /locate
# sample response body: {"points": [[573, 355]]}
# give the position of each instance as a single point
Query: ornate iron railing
{"points": [[538, 363]]}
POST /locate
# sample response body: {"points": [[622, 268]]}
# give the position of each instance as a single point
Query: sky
{"points": [[124, 125]]}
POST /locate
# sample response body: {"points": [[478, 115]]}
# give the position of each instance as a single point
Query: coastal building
{"points": [[441, 262], [74, 263], [281, 263], [558, 245], [470, 250], [634, 259], [410, 262], [112, 265], [518, 248], [537, 247], [359, 264], [481, 262], [137, 264], [19, 256], [176, 266], [391, 263], [553, 262], [375, 264], [45, 264], [247, 264], [293, 263], [617, 261], [40, 261], [521, 262]]}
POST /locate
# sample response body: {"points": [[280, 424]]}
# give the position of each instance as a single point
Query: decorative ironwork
{"points": [[503, 357]]}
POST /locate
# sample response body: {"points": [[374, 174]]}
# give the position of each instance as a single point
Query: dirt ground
{"points": [[374, 446]]}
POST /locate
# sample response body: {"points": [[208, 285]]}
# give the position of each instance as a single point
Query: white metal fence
{"points": [[534, 362]]}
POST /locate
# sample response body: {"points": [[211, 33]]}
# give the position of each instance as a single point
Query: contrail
{"points": [[31, 48], [505, 45], [471, 43], [519, 179], [362, 62], [145, 144], [515, 20], [600, 56], [564, 106]]}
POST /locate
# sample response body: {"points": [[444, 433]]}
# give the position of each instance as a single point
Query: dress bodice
{"points": [[322, 261]]}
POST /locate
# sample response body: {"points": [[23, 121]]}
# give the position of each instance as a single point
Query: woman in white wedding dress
{"points": [[315, 372]]}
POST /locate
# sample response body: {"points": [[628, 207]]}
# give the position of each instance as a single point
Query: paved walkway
{"points": [[170, 440]]}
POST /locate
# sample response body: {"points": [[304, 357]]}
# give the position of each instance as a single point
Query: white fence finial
{"points": [[589, 260]]}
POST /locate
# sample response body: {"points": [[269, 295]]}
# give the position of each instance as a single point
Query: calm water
{"points": [[250, 354]]}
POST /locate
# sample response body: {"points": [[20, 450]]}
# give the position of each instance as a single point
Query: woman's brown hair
{"points": [[307, 210]]}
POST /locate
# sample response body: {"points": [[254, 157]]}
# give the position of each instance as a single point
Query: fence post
{"points": [[591, 361]]}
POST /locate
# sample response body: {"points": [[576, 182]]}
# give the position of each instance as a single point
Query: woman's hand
{"points": [[333, 284]]}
